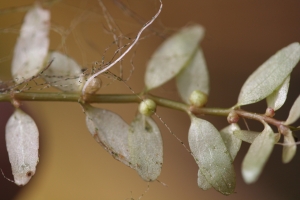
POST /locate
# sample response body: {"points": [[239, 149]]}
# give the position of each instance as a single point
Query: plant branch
{"points": [[133, 98], [240, 112]]}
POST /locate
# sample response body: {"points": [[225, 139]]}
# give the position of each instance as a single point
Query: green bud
{"points": [[198, 98], [147, 107]]}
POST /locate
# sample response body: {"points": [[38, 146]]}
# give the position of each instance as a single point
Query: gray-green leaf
{"points": [[110, 131], [246, 136], [232, 143], [257, 155], [172, 56], [32, 45], [277, 137], [270, 75], [64, 73], [145, 147], [278, 97], [289, 148], [22, 143], [294, 112], [193, 77], [211, 155], [202, 181]]}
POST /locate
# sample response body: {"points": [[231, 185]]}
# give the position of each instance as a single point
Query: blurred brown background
{"points": [[240, 35]]}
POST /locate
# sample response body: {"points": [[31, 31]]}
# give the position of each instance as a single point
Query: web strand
{"points": [[126, 51]]}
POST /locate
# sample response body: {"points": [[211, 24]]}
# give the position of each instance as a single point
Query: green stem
{"points": [[133, 98]]}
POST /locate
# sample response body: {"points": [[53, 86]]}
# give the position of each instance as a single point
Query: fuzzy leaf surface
{"points": [[246, 136], [289, 148], [64, 73], [202, 181], [22, 143], [270, 75], [172, 56], [110, 131], [232, 143], [145, 147], [294, 112], [193, 77], [211, 155], [257, 155], [32, 45], [278, 97]]}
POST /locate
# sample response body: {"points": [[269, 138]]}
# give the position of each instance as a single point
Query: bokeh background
{"points": [[240, 35]]}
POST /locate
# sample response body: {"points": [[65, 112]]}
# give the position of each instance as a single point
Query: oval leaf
{"points": [[277, 137], [270, 75], [202, 181], [278, 97], [246, 136], [110, 131], [145, 147], [193, 77], [294, 112], [173, 55], [211, 155], [22, 143], [257, 155], [289, 148], [64, 73], [32, 45], [232, 143], [249, 136]]}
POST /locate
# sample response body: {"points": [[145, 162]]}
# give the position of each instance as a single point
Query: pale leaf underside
{"points": [[193, 77], [110, 131], [294, 112], [232, 143], [172, 56], [145, 147], [278, 97], [138, 146], [246, 136], [22, 142], [64, 73], [289, 148], [270, 75], [258, 154], [211, 155], [32, 45]]}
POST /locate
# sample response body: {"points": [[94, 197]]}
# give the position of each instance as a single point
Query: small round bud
{"points": [[270, 112], [233, 117], [94, 86], [198, 98], [147, 107]]}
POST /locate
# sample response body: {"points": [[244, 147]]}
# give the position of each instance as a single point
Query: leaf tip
{"points": [[250, 175]]}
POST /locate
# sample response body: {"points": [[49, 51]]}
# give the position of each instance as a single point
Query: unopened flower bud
{"points": [[147, 107], [233, 117], [198, 98], [270, 112]]}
